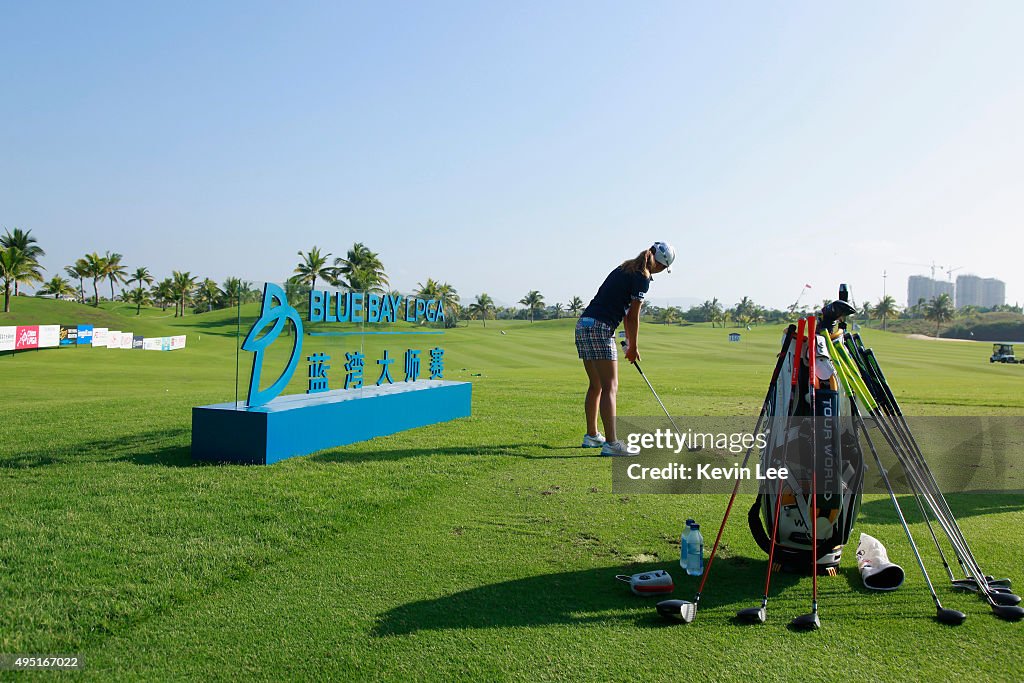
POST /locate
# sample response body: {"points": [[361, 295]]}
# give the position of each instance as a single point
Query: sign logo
{"points": [[277, 314], [27, 337]]}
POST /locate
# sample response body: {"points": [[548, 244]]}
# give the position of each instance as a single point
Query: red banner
{"points": [[26, 337]]}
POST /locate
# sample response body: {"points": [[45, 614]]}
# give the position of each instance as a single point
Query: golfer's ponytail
{"points": [[641, 264]]}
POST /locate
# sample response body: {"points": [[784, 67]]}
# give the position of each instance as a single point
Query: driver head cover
{"points": [[822, 360], [876, 570]]}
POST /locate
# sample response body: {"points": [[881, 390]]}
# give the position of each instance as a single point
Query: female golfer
{"points": [[619, 296]]}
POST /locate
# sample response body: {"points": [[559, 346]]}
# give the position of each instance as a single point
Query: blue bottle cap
{"points": [[696, 526]]}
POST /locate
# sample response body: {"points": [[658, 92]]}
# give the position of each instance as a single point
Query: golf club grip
{"points": [[636, 362]]}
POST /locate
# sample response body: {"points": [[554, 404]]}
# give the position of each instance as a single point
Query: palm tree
{"points": [[533, 301], [576, 306], [57, 287], [449, 297], [361, 270], [182, 283], [669, 315], [428, 290], [163, 293], [940, 309], [482, 308], [886, 307], [138, 296], [866, 311], [141, 275], [312, 266], [114, 271], [95, 268], [745, 308], [29, 246], [236, 290], [79, 271], [16, 267], [710, 311], [208, 293]]}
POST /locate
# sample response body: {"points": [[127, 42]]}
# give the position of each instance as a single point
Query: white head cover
{"points": [[823, 362]]}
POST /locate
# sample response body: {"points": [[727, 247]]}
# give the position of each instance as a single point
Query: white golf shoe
{"points": [[614, 448], [595, 441]]}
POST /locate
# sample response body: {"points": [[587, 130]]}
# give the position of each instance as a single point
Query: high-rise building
{"points": [[972, 290], [968, 290], [920, 287], [993, 292]]}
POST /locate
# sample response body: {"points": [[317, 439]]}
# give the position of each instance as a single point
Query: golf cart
{"points": [[1002, 353]]}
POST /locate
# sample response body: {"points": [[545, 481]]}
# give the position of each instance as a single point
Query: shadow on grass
{"points": [[160, 447], [881, 511], [516, 450], [577, 598]]}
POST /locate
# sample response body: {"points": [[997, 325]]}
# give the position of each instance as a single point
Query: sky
{"points": [[506, 147]]}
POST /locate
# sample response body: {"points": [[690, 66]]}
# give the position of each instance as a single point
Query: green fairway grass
{"points": [[481, 549]]}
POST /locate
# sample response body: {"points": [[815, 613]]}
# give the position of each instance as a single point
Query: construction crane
{"points": [[950, 271]]}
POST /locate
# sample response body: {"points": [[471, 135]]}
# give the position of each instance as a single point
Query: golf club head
{"points": [[1005, 599], [950, 616], [1008, 612], [990, 579], [806, 622], [752, 615], [677, 610], [969, 583]]}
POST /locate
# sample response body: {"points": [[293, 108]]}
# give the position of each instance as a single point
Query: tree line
{"points": [[361, 269]]}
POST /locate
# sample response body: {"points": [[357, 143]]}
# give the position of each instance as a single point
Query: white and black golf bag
{"points": [[793, 428]]}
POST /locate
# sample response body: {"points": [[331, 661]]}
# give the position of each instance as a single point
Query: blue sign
{"points": [[85, 335], [268, 430], [277, 314]]}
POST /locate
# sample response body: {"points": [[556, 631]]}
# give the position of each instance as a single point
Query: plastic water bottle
{"points": [[695, 552], [682, 543]]}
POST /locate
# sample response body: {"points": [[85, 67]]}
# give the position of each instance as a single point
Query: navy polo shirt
{"points": [[615, 295]]}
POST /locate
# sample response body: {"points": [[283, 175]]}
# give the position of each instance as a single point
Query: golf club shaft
{"points": [[859, 423], [778, 492], [915, 478], [812, 383], [938, 502], [871, 381], [656, 397], [736, 487]]}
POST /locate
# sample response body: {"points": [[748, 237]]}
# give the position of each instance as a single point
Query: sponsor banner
{"points": [[68, 336], [26, 337], [113, 339], [99, 336], [49, 336], [165, 343], [151, 344], [177, 342], [84, 334], [136, 342], [126, 340], [7, 338]]}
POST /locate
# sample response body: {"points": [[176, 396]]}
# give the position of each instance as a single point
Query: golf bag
{"points": [[793, 432]]}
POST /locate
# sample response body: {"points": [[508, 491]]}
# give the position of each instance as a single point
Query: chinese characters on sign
{"points": [[355, 364], [318, 373]]}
